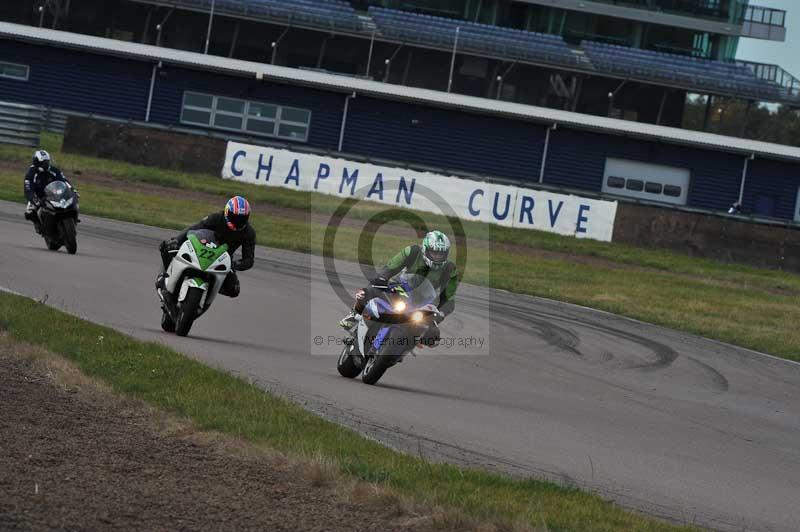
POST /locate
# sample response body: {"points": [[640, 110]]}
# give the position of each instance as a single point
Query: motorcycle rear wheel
{"points": [[52, 245], [166, 322], [346, 365]]}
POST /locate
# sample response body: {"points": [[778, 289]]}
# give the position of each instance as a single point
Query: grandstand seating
{"points": [[698, 74], [336, 14], [703, 74], [440, 32]]}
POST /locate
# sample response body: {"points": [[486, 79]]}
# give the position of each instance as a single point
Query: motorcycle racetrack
{"points": [[660, 421]]}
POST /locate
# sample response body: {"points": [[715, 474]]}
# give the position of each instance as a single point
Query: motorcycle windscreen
{"points": [[419, 290], [56, 191], [204, 236]]}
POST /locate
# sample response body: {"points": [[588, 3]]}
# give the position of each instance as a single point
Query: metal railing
{"points": [[775, 74], [765, 15], [20, 124], [706, 9]]}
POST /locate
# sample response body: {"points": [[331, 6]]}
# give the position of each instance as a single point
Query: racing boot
{"points": [[349, 322], [161, 281]]}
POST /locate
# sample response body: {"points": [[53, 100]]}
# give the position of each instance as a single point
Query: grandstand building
{"points": [[632, 59], [578, 96]]}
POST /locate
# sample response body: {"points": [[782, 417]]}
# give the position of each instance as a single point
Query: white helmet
{"points": [[435, 249], [42, 160]]}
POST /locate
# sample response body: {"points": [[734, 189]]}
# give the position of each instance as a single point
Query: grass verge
{"points": [[216, 401], [746, 306]]}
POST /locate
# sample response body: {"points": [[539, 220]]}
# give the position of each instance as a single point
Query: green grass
{"points": [[751, 307], [217, 401]]}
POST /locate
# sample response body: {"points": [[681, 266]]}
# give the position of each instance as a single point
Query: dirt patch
{"points": [[76, 457]]}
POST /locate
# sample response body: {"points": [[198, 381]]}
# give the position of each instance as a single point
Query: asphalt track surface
{"points": [[666, 423]]}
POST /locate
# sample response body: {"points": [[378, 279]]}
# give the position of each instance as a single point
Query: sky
{"points": [[784, 54]]}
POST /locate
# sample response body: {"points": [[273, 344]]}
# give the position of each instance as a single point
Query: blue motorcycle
{"points": [[391, 325]]}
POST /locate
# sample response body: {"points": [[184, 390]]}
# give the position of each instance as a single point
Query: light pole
{"points": [[453, 60], [41, 15], [499, 86], [371, 48], [210, 23], [160, 27], [275, 43], [387, 64]]}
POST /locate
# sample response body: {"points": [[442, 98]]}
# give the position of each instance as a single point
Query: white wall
{"points": [[636, 171], [505, 205]]}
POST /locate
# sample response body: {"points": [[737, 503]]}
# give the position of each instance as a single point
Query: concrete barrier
{"points": [[142, 145], [708, 235]]}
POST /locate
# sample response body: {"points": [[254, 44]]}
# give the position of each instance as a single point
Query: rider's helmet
{"points": [[41, 160], [237, 213], [435, 248]]}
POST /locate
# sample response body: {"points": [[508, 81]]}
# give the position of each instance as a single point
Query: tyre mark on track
{"points": [[721, 383]]}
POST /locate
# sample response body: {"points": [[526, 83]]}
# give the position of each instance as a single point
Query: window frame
{"points": [[15, 78], [246, 116]]}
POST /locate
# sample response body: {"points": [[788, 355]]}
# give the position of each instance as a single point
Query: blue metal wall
{"points": [[445, 138], [576, 159], [771, 184], [401, 131], [77, 81]]}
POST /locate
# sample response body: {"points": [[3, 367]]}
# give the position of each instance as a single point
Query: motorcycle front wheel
{"points": [[188, 311], [70, 235]]}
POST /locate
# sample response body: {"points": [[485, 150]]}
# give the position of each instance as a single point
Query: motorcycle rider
{"points": [[41, 173], [231, 227], [429, 260]]}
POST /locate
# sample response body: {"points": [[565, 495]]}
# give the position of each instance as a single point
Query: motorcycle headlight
{"points": [[62, 203], [400, 306], [417, 316]]}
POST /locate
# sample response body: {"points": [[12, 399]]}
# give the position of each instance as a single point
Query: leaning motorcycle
{"points": [[193, 280], [389, 328], [58, 217]]}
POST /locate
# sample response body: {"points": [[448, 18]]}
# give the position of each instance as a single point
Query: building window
{"points": [[671, 190], [616, 182], [14, 71], [634, 184], [653, 188], [245, 116]]}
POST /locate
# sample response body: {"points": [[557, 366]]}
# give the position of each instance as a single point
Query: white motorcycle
{"points": [[194, 278]]}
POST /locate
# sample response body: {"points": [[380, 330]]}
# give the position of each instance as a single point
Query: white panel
{"points": [[505, 205], [634, 172]]}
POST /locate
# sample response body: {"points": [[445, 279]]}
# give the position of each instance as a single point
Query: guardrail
{"points": [[20, 124], [55, 120]]}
